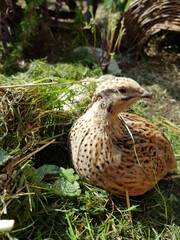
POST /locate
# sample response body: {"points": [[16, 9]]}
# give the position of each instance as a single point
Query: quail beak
{"points": [[137, 95], [146, 94]]}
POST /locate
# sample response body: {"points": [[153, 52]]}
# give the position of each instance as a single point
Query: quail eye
{"points": [[122, 90]]}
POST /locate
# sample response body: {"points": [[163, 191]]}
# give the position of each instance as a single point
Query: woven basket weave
{"points": [[144, 18]]}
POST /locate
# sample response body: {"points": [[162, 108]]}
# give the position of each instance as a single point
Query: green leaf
{"points": [[4, 157], [67, 184], [62, 187], [47, 169], [68, 174], [35, 176], [32, 175]]}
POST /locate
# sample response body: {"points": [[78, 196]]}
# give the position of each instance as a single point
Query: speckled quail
{"points": [[115, 150]]}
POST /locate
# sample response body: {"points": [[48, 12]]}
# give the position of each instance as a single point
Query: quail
{"points": [[115, 150]]}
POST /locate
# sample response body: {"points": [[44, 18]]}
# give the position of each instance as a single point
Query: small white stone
{"points": [[6, 225]]}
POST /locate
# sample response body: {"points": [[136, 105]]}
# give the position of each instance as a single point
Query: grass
{"points": [[34, 195]]}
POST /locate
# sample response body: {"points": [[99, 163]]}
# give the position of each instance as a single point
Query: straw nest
{"points": [[35, 111]]}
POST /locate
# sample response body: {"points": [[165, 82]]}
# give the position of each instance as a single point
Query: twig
{"points": [[129, 211], [111, 214], [168, 124], [37, 150], [30, 85]]}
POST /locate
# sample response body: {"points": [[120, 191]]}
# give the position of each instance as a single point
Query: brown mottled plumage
{"points": [[102, 148]]}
